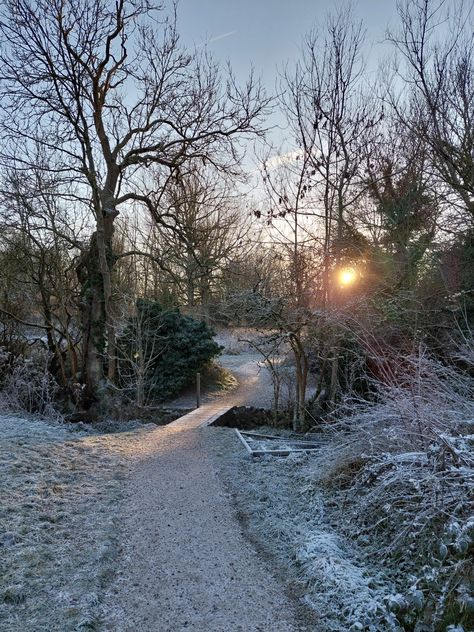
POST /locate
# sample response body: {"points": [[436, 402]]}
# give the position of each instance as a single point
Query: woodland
{"points": [[124, 179], [145, 204]]}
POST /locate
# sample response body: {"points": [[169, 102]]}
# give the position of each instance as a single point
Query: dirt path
{"points": [[185, 562]]}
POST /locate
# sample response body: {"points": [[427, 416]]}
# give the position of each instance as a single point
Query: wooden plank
{"points": [[247, 447], [291, 445], [200, 417], [280, 452], [257, 434], [300, 438], [309, 444]]}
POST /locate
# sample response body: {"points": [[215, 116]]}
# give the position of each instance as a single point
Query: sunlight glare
{"points": [[347, 276]]}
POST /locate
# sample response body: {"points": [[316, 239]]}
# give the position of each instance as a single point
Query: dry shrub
{"points": [[402, 474], [27, 385]]}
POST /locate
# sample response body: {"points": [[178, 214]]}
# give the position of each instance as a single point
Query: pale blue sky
{"points": [[268, 33]]}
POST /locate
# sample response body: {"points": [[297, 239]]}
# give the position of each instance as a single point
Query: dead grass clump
{"points": [[27, 385], [401, 475], [343, 472]]}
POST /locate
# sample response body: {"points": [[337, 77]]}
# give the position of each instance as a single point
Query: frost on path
{"points": [[185, 563]]}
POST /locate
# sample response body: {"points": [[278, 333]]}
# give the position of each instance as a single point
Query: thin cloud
{"points": [[222, 36], [282, 159]]}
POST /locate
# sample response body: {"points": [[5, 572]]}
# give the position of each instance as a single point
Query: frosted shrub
{"points": [[402, 471], [27, 385]]}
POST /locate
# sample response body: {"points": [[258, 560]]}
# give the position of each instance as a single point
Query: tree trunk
{"points": [[94, 273], [93, 322], [301, 362]]}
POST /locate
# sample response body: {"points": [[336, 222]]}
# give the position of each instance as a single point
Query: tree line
{"points": [[122, 156]]}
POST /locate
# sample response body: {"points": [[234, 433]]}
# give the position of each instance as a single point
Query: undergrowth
{"points": [[400, 477]]}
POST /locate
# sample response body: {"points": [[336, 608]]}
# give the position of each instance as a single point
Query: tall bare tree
{"points": [[107, 92], [330, 118]]}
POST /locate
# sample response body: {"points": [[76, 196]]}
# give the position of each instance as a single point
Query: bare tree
{"points": [[43, 249], [289, 220], [331, 118], [138, 356], [209, 231], [281, 329], [106, 90], [436, 44]]}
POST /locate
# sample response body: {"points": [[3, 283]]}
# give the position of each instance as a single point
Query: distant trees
{"points": [[208, 232], [40, 247], [290, 213]]}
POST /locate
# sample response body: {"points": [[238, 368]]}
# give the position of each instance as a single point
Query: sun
{"points": [[347, 276]]}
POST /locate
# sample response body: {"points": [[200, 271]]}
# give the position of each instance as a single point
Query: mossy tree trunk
{"points": [[98, 342]]}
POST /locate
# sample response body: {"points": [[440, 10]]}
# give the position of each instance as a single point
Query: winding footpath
{"points": [[185, 563]]}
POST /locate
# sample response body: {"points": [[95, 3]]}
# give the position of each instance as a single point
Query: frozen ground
{"points": [[58, 529], [285, 516], [130, 531], [253, 384], [161, 530], [165, 529], [376, 530]]}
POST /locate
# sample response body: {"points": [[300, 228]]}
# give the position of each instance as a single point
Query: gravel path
{"points": [[254, 384], [186, 564]]}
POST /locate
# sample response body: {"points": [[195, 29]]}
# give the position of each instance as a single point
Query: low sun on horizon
{"points": [[347, 276]]}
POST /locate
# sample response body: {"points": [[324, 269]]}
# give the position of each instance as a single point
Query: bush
{"points": [[160, 351], [26, 385], [399, 473]]}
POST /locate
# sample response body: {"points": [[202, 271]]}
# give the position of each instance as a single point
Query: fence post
{"points": [[198, 390]]}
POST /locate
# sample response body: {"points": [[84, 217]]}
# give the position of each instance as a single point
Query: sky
{"points": [[268, 34]]}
